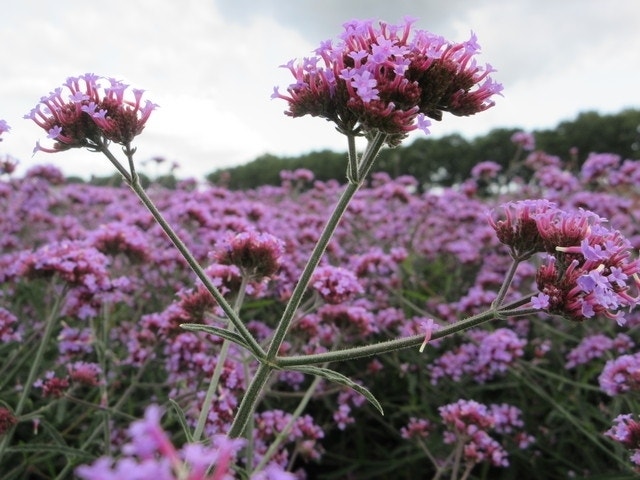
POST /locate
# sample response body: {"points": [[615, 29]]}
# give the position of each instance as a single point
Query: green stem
{"points": [[391, 345], [134, 183], [369, 155], [285, 431], [352, 168], [252, 395], [217, 371], [506, 284], [250, 400], [50, 323], [296, 297]]}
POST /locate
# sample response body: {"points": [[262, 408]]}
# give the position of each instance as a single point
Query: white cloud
{"points": [[212, 65]]}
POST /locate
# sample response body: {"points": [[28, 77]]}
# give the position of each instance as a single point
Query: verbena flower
{"points": [[524, 140], [335, 284], [257, 255], [8, 323], [594, 276], [596, 346], [151, 454], [89, 110], [621, 375], [519, 228], [416, 428], [626, 431], [389, 78]]}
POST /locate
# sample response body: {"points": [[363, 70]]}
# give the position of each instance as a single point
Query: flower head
{"points": [[389, 78], [89, 110], [257, 255], [626, 431], [594, 276]]}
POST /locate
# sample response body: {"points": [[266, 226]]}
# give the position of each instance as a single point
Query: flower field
{"points": [[376, 328], [90, 263]]}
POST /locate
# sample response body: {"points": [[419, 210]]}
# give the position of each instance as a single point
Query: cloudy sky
{"points": [[211, 66]]}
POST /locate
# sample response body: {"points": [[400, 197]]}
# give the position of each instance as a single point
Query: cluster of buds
{"points": [[380, 78], [589, 269], [88, 111]]}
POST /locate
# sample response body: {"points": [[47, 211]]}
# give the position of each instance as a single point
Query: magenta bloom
{"points": [[626, 431], [90, 110], [389, 78], [596, 276], [335, 284], [257, 255], [621, 375]]}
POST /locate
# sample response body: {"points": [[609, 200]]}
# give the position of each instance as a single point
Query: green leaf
{"points": [[182, 419], [220, 332], [336, 377]]}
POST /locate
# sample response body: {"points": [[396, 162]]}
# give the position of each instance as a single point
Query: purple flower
{"points": [[88, 111], [257, 255], [416, 428], [485, 170], [388, 78], [621, 375], [599, 165], [4, 127], [626, 431], [524, 140], [597, 346], [8, 323], [519, 228], [150, 454], [591, 271], [335, 284]]}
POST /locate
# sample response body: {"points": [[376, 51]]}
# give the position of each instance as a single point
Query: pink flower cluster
{"points": [[471, 423], [626, 430], [389, 78], [88, 111], [151, 454], [596, 346], [621, 375], [589, 270], [485, 358]]}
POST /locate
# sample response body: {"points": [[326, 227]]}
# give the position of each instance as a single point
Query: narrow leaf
{"points": [[220, 332], [336, 377], [182, 419]]}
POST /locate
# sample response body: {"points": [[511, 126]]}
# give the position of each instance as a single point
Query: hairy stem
{"points": [[135, 185], [217, 371]]}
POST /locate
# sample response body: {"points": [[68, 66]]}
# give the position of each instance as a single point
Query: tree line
{"points": [[449, 159]]}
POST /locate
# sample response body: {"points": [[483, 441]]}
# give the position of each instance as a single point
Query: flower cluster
{"points": [[626, 431], [257, 255], [469, 422], [596, 346], [489, 355], [383, 78], [88, 111], [589, 269], [150, 454], [621, 375], [524, 140], [335, 284]]}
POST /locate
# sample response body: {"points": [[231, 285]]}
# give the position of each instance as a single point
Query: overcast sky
{"points": [[211, 66]]}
